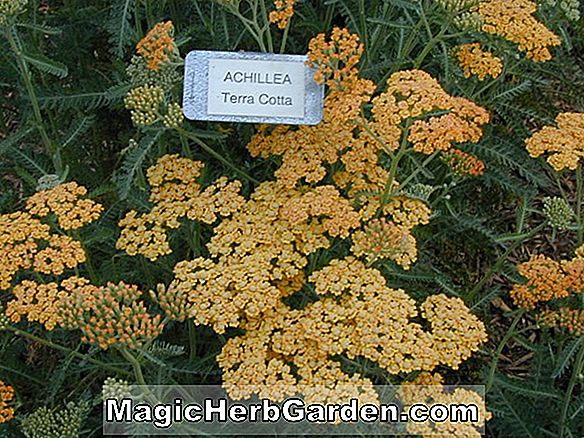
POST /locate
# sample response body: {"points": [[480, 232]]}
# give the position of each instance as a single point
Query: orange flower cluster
{"points": [[475, 61], [39, 302], [428, 388], [336, 60], [44, 303], [157, 45], [111, 316], [564, 143], [381, 239], [571, 320], [346, 137], [463, 163], [19, 236], [176, 195], [514, 21], [258, 254], [357, 316], [283, 13], [6, 396], [27, 243], [414, 93], [66, 203], [547, 280]]}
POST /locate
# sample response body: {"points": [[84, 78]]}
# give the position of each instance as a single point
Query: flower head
{"points": [[6, 396], [157, 45], [475, 61], [564, 144], [284, 11], [514, 21]]}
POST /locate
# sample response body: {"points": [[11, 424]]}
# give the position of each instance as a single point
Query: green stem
{"points": [[285, 37], [135, 365], [499, 263], [59, 347], [12, 37], [266, 28], [216, 155], [403, 149], [419, 169], [254, 33], [431, 44], [499, 350], [192, 340], [576, 375]]}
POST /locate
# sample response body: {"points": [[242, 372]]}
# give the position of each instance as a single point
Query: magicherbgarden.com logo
{"points": [[186, 410]]}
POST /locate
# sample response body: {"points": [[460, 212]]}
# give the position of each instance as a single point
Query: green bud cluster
{"points": [[139, 73], [46, 423], [4, 320], [174, 116], [143, 103], [115, 389], [457, 6], [570, 8], [11, 8], [558, 212], [469, 21], [47, 182], [420, 191]]}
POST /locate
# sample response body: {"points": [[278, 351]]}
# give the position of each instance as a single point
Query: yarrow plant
{"points": [[320, 260]]}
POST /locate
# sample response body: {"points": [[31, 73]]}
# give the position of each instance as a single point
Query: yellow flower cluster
{"points": [[475, 61], [283, 13], [547, 280], [514, 21], [111, 316], [6, 396], [176, 195], [27, 243], [565, 318], [259, 253], [428, 388], [157, 45], [66, 203], [408, 212], [39, 302], [463, 163], [381, 239], [564, 143], [44, 303], [19, 233], [357, 316]]}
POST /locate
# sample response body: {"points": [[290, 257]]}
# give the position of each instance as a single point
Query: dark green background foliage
{"points": [[77, 52]]}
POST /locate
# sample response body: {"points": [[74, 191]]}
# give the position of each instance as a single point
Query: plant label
{"points": [[251, 87]]}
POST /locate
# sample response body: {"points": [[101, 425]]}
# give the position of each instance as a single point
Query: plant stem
{"points": [[504, 341], [135, 365], [216, 155], [576, 375], [59, 347], [13, 40], [500, 260], [285, 37], [419, 169], [192, 340], [266, 28], [403, 149]]}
